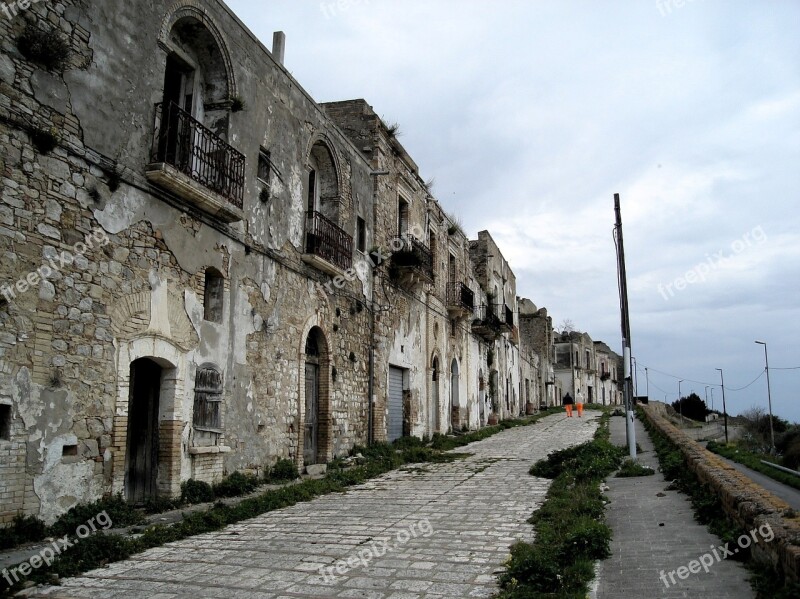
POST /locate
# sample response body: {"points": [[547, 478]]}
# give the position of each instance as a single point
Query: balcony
{"points": [[412, 264], [506, 317], [486, 323], [193, 162], [328, 248], [460, 300]]}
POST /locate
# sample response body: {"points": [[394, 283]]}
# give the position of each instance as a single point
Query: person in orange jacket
{"points": [[579, 403], [568, 403]]}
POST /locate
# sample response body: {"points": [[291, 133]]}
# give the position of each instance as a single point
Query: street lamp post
{"points": [[712, 399], [724, 409], [680, 403], [769, 396], [706, 397]]}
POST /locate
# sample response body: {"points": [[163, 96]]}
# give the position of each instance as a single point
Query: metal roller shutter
{"points": [[394, 428]]}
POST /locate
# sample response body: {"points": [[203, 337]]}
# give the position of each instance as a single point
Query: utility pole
{"points": [[712, 399], [680, 403], [647, 379], [724, 409], [769, 397], [626, 330]]}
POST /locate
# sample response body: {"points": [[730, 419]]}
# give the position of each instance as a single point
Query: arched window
{"points": [[213, 295], [208, 399]]}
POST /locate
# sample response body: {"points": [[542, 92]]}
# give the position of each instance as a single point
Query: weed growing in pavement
{"points": [[631, 468], [570, 529]]}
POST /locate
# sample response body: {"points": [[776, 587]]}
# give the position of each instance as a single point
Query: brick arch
{"points": [[325, 439], [174, 364]]}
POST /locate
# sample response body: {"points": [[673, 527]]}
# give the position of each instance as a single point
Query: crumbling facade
{"points": [[204, 270], [587, 369]]}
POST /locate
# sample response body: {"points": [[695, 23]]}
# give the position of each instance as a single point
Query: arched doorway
{"points": [[434, 416], [316, 439], [454, 398], [141, 469]]}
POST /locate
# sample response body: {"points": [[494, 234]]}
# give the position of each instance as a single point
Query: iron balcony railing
{"points": [[504, 314], [183, 142], [326, 240], [458, 294], [413, 254], [486, 315]]}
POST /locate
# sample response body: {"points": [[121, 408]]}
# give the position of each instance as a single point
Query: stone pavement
{"points": [[642, 548], [448, 528]]}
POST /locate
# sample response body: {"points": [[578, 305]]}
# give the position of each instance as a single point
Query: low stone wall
{"points": [[745, 502]]}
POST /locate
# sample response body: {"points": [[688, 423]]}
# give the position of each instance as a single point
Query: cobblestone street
{"points": [[476, 509]]}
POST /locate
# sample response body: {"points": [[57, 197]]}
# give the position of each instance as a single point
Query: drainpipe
{"points": [[372, 310]]}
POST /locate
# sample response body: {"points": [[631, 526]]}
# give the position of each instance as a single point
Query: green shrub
{"points": [[284, 470], [570, 531], [23, 529], [630, 469], [159, 505], [120, 512], [196, 491], [235, 485], [47, 48]]}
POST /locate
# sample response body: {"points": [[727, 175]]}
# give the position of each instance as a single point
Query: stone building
{"points": [[536, 333], [588, 367], [608, 388], [204, 270]]}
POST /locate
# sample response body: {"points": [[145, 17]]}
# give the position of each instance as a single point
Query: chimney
{"points": [[278, 46]]}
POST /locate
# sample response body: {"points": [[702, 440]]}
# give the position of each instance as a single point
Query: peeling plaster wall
{"points": [[67, 343]]}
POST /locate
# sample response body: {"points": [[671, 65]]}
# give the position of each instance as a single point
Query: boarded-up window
{"points": [[213, 295], [208, 399]]}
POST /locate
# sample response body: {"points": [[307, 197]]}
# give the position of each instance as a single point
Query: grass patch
{"points": [[630, 469], [753, 461], [571, 533], [768, 582]]}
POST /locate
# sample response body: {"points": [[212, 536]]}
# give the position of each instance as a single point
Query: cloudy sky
{"points": [[532, 114]]}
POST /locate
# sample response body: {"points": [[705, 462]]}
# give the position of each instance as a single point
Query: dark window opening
{"points": [[264, 166], [69, 451], [213, 295], [312, 191], [312, 348], [208, 399], [361, 234], [5, 422]]}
